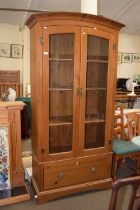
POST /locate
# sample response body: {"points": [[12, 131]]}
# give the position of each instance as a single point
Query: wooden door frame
{"points": [[111, 37], [46, 32]]}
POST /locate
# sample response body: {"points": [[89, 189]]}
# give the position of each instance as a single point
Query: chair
{"points": [[119, 131], [133, 121], [117, 184], [122, 148]]}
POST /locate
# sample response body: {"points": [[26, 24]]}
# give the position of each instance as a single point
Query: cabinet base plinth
{"points": [[14, 195], [45, 196]]}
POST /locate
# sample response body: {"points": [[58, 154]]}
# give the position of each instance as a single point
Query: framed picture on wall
{"points": [[127, 57], [119, 57], [17, 51], [136, 57], [5, 50]]}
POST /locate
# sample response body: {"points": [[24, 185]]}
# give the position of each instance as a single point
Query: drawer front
{"points": [[76, 171]]}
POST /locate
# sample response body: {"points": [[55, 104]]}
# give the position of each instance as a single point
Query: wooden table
{"points": [[127, 100]]}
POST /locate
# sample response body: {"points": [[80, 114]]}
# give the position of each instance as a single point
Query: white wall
{"points": [[26, 59], [10, 34], [128, 44]]}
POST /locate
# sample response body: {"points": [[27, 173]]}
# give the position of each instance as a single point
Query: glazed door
{"points": [[94, 103], [60, 82]]}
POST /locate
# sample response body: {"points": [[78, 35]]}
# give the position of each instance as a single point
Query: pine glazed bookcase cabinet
{"points": [[73, 78]]}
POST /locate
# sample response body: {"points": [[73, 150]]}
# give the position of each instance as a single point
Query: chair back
{"points": [[119, 123], [134, 182], [133, 123]]}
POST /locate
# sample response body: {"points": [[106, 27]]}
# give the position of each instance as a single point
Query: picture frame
{"points": [[119, 57], [16, 51], [127, 57], [5, 50], [136, 57]]}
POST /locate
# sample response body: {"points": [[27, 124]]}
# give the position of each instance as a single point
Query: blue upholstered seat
{"points": [[124, 147]]}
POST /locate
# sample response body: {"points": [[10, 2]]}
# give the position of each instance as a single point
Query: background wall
{"points": [[10, 34], [128, 44], [26, 59]]}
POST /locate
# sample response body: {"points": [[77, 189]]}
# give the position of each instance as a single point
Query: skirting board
{"points": [[15, 195], [45, 196]]}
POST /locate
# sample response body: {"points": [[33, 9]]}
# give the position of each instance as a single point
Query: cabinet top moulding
{"points": [[69, 16], [11, 105]]}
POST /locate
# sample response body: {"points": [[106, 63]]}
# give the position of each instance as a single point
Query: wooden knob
{"points": [[93, 169], [77, 163], [61, 174]]}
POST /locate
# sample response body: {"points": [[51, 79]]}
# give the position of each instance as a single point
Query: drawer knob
{"points": [[93, 169], [77, 163], [61, 174]]}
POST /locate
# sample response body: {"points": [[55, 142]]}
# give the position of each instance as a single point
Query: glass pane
{"points": [[61, 74], [97, 48], [60, 138], [97, 74], [61, 80], [96, 91], [95, 105], [61, 46], [61, 106], [94, 135]]}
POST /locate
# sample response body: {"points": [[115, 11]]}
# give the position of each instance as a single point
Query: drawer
{"points": [[76, 171]]}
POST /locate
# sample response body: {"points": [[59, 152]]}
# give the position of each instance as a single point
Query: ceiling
{"points": [[124, 11]]}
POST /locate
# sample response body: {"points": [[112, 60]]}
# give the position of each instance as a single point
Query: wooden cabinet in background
{"points": [[12, 185], [73, 74]]}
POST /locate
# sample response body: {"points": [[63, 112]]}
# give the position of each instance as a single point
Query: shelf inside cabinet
{"points": [[55, 121], [59, 123], [60, 89], [94, 119], [96, 61], [96, 88], [60, 59]]}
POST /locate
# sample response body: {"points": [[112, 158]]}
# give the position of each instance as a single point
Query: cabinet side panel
{"points": [[15, 129], [36, 88], [37, 173], [33, 92], [112, 77]]}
